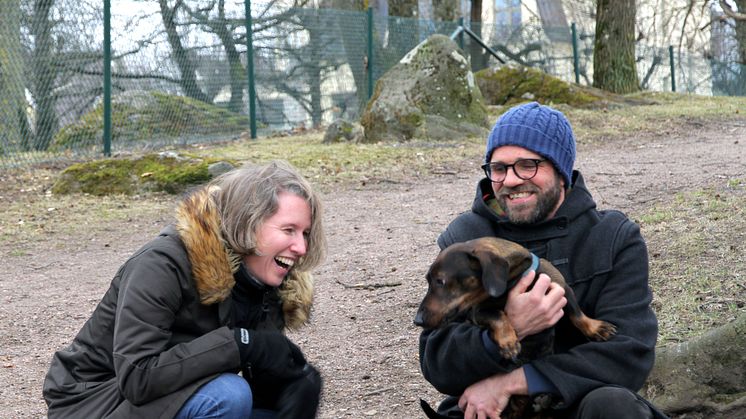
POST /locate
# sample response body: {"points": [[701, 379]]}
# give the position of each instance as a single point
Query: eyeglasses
{"points": [[524, 168]]}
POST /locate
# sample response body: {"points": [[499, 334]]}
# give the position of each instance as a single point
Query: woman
{"points": [[210, 296]]}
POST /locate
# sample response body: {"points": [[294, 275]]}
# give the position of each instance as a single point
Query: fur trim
{"points": [[214, 263], [297, 298]]}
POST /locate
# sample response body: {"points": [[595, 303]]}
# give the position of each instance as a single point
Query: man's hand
{"points": [[531, 312], [487, 399]]}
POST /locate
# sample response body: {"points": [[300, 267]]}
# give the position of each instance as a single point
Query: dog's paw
{"points": [[504, 335], [600, 330], [510, 350], [604, 331]]}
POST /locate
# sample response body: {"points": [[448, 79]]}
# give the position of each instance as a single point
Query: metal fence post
{"points": [[107, 78], [369, 62], [575, 55], [673, 74], [250, 68]]}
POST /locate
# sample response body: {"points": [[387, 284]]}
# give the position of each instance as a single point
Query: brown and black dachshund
{"points": [[471, 279]]}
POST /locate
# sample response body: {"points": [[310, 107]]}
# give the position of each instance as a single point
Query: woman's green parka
{"points": [[163, 328]]}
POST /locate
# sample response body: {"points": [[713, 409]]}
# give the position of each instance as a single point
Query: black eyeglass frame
{"points": [[487, 168]]}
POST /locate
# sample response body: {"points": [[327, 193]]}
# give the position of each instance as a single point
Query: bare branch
{"points": [[730, 12]]}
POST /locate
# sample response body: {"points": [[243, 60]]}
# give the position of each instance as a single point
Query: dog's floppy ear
{"points": [[495, 271]]}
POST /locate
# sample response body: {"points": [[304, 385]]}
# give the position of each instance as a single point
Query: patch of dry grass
{"points": [[674, 112], [345, 163], [31, 213], [696, 244]]}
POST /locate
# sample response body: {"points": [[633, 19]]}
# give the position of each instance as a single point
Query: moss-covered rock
{"points": [[509, 85], [432, 83], [342, 130], [165, 172], [143, 116], [703, 377]]}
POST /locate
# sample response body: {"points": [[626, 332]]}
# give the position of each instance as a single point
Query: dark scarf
{"points": [[255, 305]]}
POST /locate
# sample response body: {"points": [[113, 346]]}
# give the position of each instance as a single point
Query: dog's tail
{"points": [[432, 414]]}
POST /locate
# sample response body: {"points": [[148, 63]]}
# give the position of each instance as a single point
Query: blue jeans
{"points": [[227, 397]]}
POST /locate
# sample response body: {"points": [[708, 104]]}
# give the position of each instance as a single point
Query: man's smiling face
{"points": [[527, 201]]}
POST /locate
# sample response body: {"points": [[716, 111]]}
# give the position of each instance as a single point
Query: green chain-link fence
{"points": [[180, 76]]}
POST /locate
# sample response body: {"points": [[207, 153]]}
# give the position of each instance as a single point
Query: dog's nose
{"points": [[418, 319]]}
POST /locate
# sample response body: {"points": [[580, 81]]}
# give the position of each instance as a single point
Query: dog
{"points": [[470, 280]]}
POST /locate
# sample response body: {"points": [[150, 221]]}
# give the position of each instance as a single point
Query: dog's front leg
{"points": [[504, 335]]}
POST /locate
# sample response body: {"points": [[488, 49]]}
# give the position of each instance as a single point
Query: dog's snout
{"points": [[418, 321]]}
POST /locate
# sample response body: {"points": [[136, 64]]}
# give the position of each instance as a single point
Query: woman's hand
{"points": [[531, 312], [270, 353]]}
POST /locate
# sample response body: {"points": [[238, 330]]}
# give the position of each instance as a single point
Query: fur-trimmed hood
{"points": [[214, 263]]}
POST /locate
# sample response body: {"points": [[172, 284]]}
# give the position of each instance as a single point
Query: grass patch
{"points": [[697, 270], [345, 163], [54, 219], [675, 113]]}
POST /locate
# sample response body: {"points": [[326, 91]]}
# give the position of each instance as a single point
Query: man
{"points": [[532, 196]]}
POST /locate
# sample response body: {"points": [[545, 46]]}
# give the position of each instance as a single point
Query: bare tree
{"points": [[213, 19], [43, 74], [732, 13], [180, 54], [12, 104], [348, 27], [57, 56], [479, 57], [740, 29], [728, 52], [450, 10]]}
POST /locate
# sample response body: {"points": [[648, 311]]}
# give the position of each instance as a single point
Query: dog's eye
{"points": [[440, 282]]}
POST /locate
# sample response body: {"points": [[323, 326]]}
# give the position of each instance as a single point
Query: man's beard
{"points": [[546, 203]]}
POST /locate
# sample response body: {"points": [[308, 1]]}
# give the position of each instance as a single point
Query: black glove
{"points": [[269, 354], [296, 399]]}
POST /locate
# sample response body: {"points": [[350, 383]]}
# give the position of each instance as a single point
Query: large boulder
{"points": [[148, 117], [430, 94]]}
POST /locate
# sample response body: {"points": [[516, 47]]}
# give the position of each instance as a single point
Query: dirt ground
{"points": [[381, 241]]}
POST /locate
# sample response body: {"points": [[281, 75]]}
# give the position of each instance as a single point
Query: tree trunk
{"points": [[447, 10], [43, 74], [235, 68], [354, 40], [702, 378], [614, 67], [741, 40], [11, 77], [180, 55], [315, 45], [479, 57], [403, 8]]}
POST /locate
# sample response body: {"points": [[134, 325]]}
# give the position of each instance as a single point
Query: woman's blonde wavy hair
{"points": [[247, 196]]}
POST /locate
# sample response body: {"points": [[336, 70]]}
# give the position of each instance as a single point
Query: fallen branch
{"points": [[379, 391], [369, 286]]}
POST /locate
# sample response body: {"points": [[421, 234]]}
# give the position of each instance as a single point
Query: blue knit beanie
{"points": [[538, 128]]}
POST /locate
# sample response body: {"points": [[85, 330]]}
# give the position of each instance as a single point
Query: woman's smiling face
{"points": [[281, 240]]}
